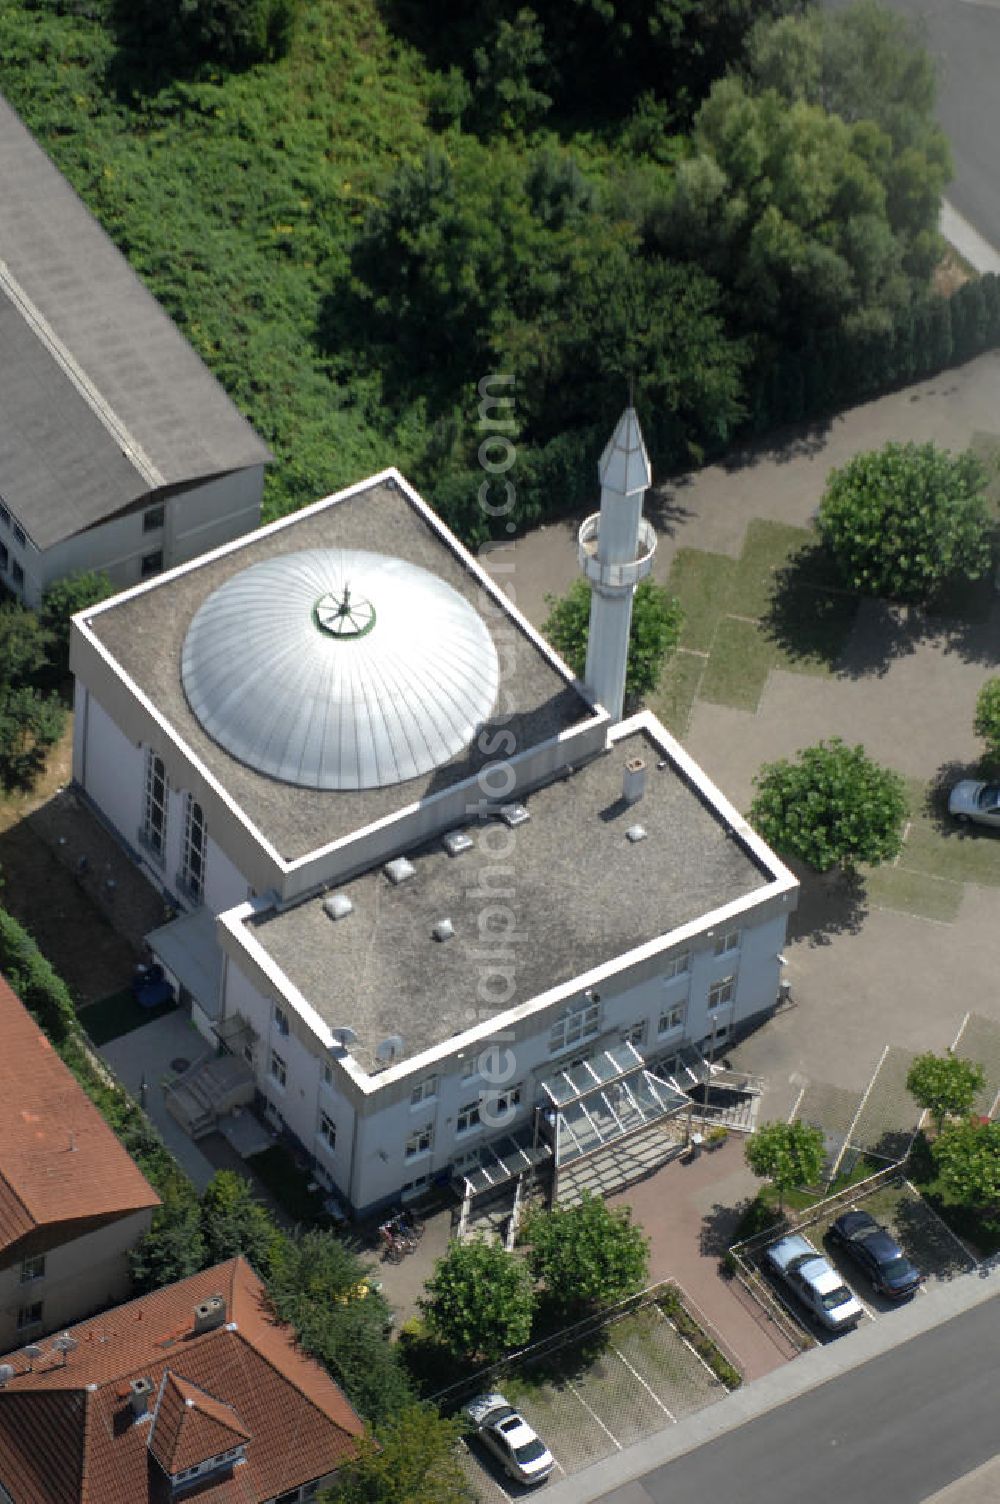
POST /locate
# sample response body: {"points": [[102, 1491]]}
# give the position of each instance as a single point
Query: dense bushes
{"points": [[187, 33]]}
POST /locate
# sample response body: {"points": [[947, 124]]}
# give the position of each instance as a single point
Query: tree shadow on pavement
{"points": [[965, 624], [719, 1227], [830, 904]]}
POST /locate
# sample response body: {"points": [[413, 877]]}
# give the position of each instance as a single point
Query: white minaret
{"points": [[616, 547]]}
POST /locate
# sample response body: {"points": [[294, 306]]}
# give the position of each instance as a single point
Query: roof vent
{"points": [[457, 841], [634, 780], [514, 814], [390, 1049], [139, 1391], [211, 1313], [337, 906], [635, 833], [399, 870], [7, 1372], [443, 930]]}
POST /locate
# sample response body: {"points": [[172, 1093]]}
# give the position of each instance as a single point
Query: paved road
{"points": [[964, 37], [894, 1431]]}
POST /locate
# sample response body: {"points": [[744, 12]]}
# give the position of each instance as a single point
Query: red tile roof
{"points": [[68, 1434], [190, 1426], [59, 1160]]}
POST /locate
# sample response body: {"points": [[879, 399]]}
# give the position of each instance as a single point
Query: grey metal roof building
{"points": [[103, 401]]}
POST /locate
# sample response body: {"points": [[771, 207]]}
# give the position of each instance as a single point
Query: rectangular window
{"points": [[281, 1021], [722, 992], [154, 824], [279, 1071], [508, 1099], [4, 556], [17, 573], [328, 1131], [636, 1035], [409, 1187], [327, 1073], [19, 534], [676, 966], [579, 1021], [33, 1268], [670, 1019], [727, 941], [419, 1142], [29, 1315], [424, 1091], [193, 854], [152, 519], [151, 564], [468, 1117]]}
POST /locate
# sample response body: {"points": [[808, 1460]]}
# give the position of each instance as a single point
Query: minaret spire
{"points": [[616, 547]]}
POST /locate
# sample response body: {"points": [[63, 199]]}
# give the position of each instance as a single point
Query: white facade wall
{"points": [[370, 1164], [80, 1276]]}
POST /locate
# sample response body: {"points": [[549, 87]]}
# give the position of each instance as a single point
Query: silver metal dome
{"points": [[339, 669]]}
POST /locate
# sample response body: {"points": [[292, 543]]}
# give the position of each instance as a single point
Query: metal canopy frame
{"points": [[504, 1160], [613, 1112]]}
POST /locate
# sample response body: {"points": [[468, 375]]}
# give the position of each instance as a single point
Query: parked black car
{"points": [[877, 1253]]}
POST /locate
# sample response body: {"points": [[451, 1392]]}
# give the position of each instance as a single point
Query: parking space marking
{"points": [[943, 1224], [638, 1376], [609, 1434], [478, 1461]]}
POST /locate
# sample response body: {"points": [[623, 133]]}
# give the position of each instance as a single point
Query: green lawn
{"points": [[117, 1015]]}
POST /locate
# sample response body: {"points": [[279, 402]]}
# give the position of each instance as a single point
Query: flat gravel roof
{"points": [[580, 892]]}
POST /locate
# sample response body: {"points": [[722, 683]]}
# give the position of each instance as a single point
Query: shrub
{"points": [[987, 721], [945, 1085], [655, 630], [787, 1154]]}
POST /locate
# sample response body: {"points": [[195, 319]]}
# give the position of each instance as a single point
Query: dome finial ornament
{"points": [[343, 618]]}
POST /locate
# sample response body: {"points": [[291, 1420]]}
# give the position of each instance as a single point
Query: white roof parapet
{"points": [[624, 466]]}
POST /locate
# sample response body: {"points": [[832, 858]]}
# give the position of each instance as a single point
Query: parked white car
{"points": [[975, 801], [815, 1281], [506, 1433]]}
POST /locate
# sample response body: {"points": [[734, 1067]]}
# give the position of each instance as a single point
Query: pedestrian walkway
{"points": [[690, 1209]]}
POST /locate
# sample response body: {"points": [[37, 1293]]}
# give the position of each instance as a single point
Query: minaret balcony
{"points": [[622, 574]]}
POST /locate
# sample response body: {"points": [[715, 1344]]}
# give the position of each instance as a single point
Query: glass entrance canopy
{"points": [[604, 1099]]}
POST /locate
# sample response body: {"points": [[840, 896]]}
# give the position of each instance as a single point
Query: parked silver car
{"points": [[815, 1281], [506, 1433], [975, 801]]}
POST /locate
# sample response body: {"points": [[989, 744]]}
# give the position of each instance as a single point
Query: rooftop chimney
{"points": [[209, 1315], [634, 781], [139, 1392]]}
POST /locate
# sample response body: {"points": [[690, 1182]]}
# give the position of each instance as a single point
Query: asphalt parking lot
{"points": [[596, 1399]]}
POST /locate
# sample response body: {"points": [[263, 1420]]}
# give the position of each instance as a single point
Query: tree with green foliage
{"points": [[233, 1221], [586, 1256], [945, 1085], [31, 719], [789, 1155], [505, 94], [831, 805], [61, 602], [174, 1246], [479, 1301], [987, 721], [653, 636], [189, 33], [324, 1291], [415, 1461], [904, 521], [967, 1157]]}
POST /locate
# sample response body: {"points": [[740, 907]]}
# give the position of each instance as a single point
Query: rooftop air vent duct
{"points": [[337, 906], [456, 841], [443, 930], [634, 780], [514, 814], [399, 870], [390, 1049]]}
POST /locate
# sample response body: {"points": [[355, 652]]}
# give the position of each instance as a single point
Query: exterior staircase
{"points": [[208, 1090]]}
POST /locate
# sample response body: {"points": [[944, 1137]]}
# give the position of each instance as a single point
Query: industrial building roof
{"points": [[571, 892], [103, 399]]}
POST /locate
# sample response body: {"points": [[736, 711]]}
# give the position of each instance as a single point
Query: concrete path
{"points": [[690, 1209]]}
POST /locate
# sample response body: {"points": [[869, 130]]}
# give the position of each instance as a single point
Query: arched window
{"points": [[195, 850]]}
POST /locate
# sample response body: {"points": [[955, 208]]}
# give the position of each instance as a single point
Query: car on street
{"points": [[975, 801], [506, 1433], [877, 1254], [815, 1281]]}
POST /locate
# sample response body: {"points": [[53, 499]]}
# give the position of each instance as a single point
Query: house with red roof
{"points": [[195, 1392], [72, 1200]]}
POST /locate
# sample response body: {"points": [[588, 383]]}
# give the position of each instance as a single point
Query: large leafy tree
{"points": [[188, 33], [945, 1085], [480, 1300], [787, 1154], [415, 1461], [234, 1221], [321, 1288], [31, 720], [967, 1156], [905, 520], [831, 805], [656, 627], [586, 1256], [174, 1246], [987, 719], [63, 600]]}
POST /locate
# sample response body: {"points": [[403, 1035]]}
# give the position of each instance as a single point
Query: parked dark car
{"points": [[877, 1254]]}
